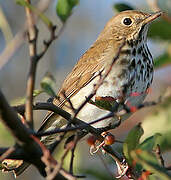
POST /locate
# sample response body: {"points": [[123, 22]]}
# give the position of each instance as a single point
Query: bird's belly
{"points": [[90, 112], [127, 84]]}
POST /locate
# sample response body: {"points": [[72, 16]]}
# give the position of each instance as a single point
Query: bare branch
{"points": [[32, 39], [19, 38], [72, 154], [21, 133], [34, 58], [17, 154], [69, 101], [159, 155], [76, 121], [6, 153]]}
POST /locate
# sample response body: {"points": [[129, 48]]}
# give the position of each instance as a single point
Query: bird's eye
{"points": [[127, 21]]}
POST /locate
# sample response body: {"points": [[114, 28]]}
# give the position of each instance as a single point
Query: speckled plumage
{"points": [[132, 72]]}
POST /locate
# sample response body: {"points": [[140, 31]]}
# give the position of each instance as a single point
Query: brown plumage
{"points": [[132, 72]]}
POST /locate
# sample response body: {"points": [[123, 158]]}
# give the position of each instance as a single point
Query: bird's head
{"points": [[129, 25]]}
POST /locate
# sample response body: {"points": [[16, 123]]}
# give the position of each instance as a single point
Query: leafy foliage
{"points": [[156, 32], [150, 143], [159, 121], [22, 100], [150, 163], [132, 142], [64, 8], [122, 7], [162, 60], [44, 18], [47, 84], [106, 103]]}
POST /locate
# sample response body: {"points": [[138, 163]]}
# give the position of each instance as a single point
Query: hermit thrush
{"points": [[131, 73]]}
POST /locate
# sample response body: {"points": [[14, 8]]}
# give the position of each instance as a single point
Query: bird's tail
{"points": [[51, 121]]}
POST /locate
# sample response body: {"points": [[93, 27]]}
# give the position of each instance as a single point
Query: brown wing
{"points": [[85, 69], [89, 64]]}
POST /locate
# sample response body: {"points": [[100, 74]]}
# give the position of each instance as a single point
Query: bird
{"points": [[124, 37]]}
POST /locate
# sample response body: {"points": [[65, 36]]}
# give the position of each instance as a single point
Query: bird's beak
{"points": [[152, 17]]}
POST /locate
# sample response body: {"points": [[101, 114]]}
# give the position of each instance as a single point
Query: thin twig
{"points": [[159, 155], [19, 38], [32, 38], [145, 104], [52, 174], [76, 121], [21, 133], [69, 101], [6, 153], [72, 154], [168, 168], [34, 58], [55, 131], [47, 43]]}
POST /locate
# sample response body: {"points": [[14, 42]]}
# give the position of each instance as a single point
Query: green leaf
{"points": [[165, 142], [162, 60], [100, 175], [160, 30], [150, 163], [122, 7], [47, 84], [152, 177], [159, 121], [37, 92], [64, 8], [150, 143], [106, 103], [22, 100], [132, 141], [44, 18]]}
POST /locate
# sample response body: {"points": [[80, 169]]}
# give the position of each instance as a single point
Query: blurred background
{"points": [[81, 30]]}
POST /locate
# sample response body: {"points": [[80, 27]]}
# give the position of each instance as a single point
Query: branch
{"points": [[159, 155], [34, 58], [19, 38], [78, 122], [6, 153], [21, 133], [17, 154], [72, 154], [32, 38]]}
